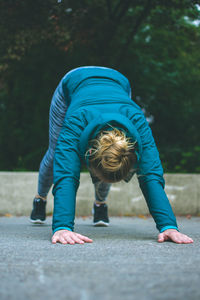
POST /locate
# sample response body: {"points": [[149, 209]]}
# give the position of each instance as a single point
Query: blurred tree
{"points": [[154, 43]]}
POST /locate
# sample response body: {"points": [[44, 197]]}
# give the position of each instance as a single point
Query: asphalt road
{"points": [[124, 262]]}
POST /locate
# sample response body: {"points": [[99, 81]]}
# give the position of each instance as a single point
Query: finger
{"points": [[84, 238], [62, 240], [187, 239], [187, 242], [180, 238], [191, 240], [162, 237], [70, 240], [77, 240], [54, 239]]}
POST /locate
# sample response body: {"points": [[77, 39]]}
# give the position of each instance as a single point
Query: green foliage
{"points": [[177, 160], [154, 43]]}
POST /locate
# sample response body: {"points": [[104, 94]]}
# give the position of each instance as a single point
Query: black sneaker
{"points": [[100, 214], [38, 214]]}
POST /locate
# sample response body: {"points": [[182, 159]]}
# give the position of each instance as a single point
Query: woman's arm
{"points": [[151, 181], [150, 177], [158, 203], [66, 182], [66, 176]]}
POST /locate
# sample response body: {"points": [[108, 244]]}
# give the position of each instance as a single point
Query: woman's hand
{"points": [[68, 237], [175, 236]]}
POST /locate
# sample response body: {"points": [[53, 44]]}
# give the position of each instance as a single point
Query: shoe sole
{"points": [[38, 221], [101, 224]]}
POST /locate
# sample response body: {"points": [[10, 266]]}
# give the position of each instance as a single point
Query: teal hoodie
{"points": [[97, 98]]}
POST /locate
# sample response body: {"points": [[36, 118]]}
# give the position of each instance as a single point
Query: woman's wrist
{"points": [[62, 228], [168, 227]]}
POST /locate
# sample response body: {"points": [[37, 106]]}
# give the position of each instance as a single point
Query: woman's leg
{"points": [[56, 117], [101, 191], [57, 113], [100, 208], [101, 188]]}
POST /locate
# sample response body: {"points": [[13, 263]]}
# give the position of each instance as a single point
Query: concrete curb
{"points": [[17, 190]]}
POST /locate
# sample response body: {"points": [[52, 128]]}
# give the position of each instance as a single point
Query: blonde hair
{"points": [[111, 155]]}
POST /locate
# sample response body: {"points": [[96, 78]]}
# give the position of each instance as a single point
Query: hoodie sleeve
{"points": [[150, 177], [66, 174]]}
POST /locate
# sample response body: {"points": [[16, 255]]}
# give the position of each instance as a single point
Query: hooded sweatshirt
{"points": [[98, 98]]}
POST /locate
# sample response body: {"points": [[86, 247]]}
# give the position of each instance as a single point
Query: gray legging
{"points": [[57, 113]]}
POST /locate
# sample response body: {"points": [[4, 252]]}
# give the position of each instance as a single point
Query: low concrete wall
{"points": [[17, 190]]}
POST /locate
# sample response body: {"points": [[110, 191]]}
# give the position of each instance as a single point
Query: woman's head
{"points": [[111, 155]]}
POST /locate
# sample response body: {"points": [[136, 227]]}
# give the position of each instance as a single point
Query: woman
{"points": [[94, 120]]}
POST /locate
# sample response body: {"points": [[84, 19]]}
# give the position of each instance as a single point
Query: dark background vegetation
{"points": [[156, 44]]}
